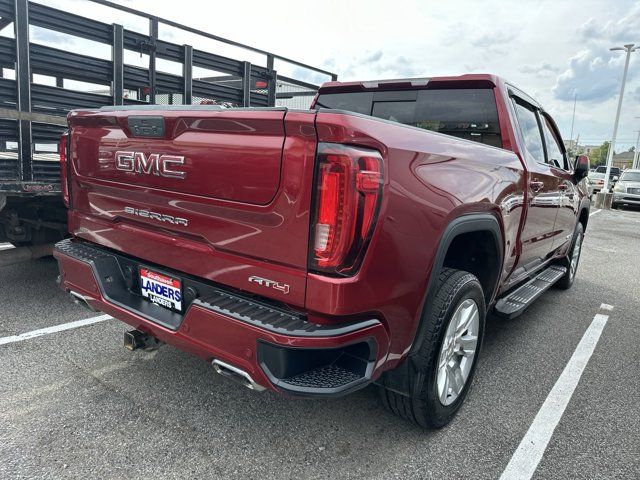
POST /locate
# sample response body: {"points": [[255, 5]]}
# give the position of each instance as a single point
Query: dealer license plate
{"points": [[161, 289]]}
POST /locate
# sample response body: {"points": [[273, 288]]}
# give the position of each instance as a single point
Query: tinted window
{"points": [[403, 112], [630, 177], [464, 113], [530, 131], [554, 152], [603, 169], [359, 102]]}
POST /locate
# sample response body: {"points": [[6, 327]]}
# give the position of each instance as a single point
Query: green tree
{"points": [[598, 155]]}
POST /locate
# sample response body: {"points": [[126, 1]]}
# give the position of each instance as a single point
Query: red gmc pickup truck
{"points": [[315, 252]]}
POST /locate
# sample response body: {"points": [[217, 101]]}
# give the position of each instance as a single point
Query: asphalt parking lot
{"points": [[76, 404]]}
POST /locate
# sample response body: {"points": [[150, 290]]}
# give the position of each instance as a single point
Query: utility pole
{"points": [[629, 48], [573, 119], [635, 152]]}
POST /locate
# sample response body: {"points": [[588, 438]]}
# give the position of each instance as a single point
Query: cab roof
{"points": [[471, 78]]}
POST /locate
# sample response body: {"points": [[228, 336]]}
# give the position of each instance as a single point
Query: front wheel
{"points": [[442, 370], [572, 259]]}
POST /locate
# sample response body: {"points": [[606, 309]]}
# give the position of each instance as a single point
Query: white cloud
{"points": [[594, 72], [542, 69], [594, 75]]}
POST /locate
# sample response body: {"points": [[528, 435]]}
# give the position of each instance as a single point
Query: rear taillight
{"points": [[349, 183], [63, 148]]}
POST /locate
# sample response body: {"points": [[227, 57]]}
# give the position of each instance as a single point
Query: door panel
{"points": [[538, 234], [569, 198], [567, 211], [543, 194]]}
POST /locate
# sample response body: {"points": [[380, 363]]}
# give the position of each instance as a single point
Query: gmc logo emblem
{"points": [[153, 164]]}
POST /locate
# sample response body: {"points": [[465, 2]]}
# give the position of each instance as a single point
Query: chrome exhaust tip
{"points": [[237, 375], [80, 299]]}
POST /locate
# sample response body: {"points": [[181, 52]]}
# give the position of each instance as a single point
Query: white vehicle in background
{"points": [[595, 182], [627, 190]]}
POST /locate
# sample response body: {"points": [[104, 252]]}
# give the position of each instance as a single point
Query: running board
{"points": [[514, 304]]}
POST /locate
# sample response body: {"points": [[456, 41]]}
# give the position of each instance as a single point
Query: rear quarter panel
{"points": [[430, 180]]}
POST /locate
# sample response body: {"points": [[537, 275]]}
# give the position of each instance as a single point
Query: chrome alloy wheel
{"points": [[575, 257], [458, 351]]}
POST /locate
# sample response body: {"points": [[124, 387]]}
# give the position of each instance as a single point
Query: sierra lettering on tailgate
{"points": [[161, 217]]}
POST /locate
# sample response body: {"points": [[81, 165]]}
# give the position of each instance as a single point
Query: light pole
{"points": [[635, 152], [573, 119], [629, 48]]}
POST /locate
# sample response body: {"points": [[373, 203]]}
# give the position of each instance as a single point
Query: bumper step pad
{"points": [[318, 372], [328, 376], [515, 303], [277, 320]]}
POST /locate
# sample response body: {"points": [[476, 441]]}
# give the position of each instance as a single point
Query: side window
{"points": [[554, 152], [530, 131]]}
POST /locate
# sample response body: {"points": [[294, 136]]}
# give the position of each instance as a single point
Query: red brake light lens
{"points": [[64, 168], [349, 190]]}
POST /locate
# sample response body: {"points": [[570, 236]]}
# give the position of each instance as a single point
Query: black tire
{"points": [[567, 280], [423, 407], [615, 206]]}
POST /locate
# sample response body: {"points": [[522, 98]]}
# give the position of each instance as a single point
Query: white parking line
{"points": [[593, 213], [54, 329], [525, 460], [5, 246]]}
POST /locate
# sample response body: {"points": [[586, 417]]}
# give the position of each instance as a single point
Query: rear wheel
{"points": [[442, 370], [572, 259]]}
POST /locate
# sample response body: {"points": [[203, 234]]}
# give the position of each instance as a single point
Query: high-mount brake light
{"points": [[63, 149], [348, 194]]}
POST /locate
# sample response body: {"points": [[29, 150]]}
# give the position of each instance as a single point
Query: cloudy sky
{"points": [[552, 49]]}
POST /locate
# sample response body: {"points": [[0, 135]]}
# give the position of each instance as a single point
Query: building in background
{"points": [[623, 160], [586, 149]]}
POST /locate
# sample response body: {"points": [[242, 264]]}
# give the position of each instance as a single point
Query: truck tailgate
{"points": [[220, 194]]}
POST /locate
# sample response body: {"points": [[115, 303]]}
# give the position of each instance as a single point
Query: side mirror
{"points": [[615, 179], [581, 169]]}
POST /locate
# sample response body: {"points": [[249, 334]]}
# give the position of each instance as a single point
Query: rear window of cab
{"points": [[469, 113]]}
